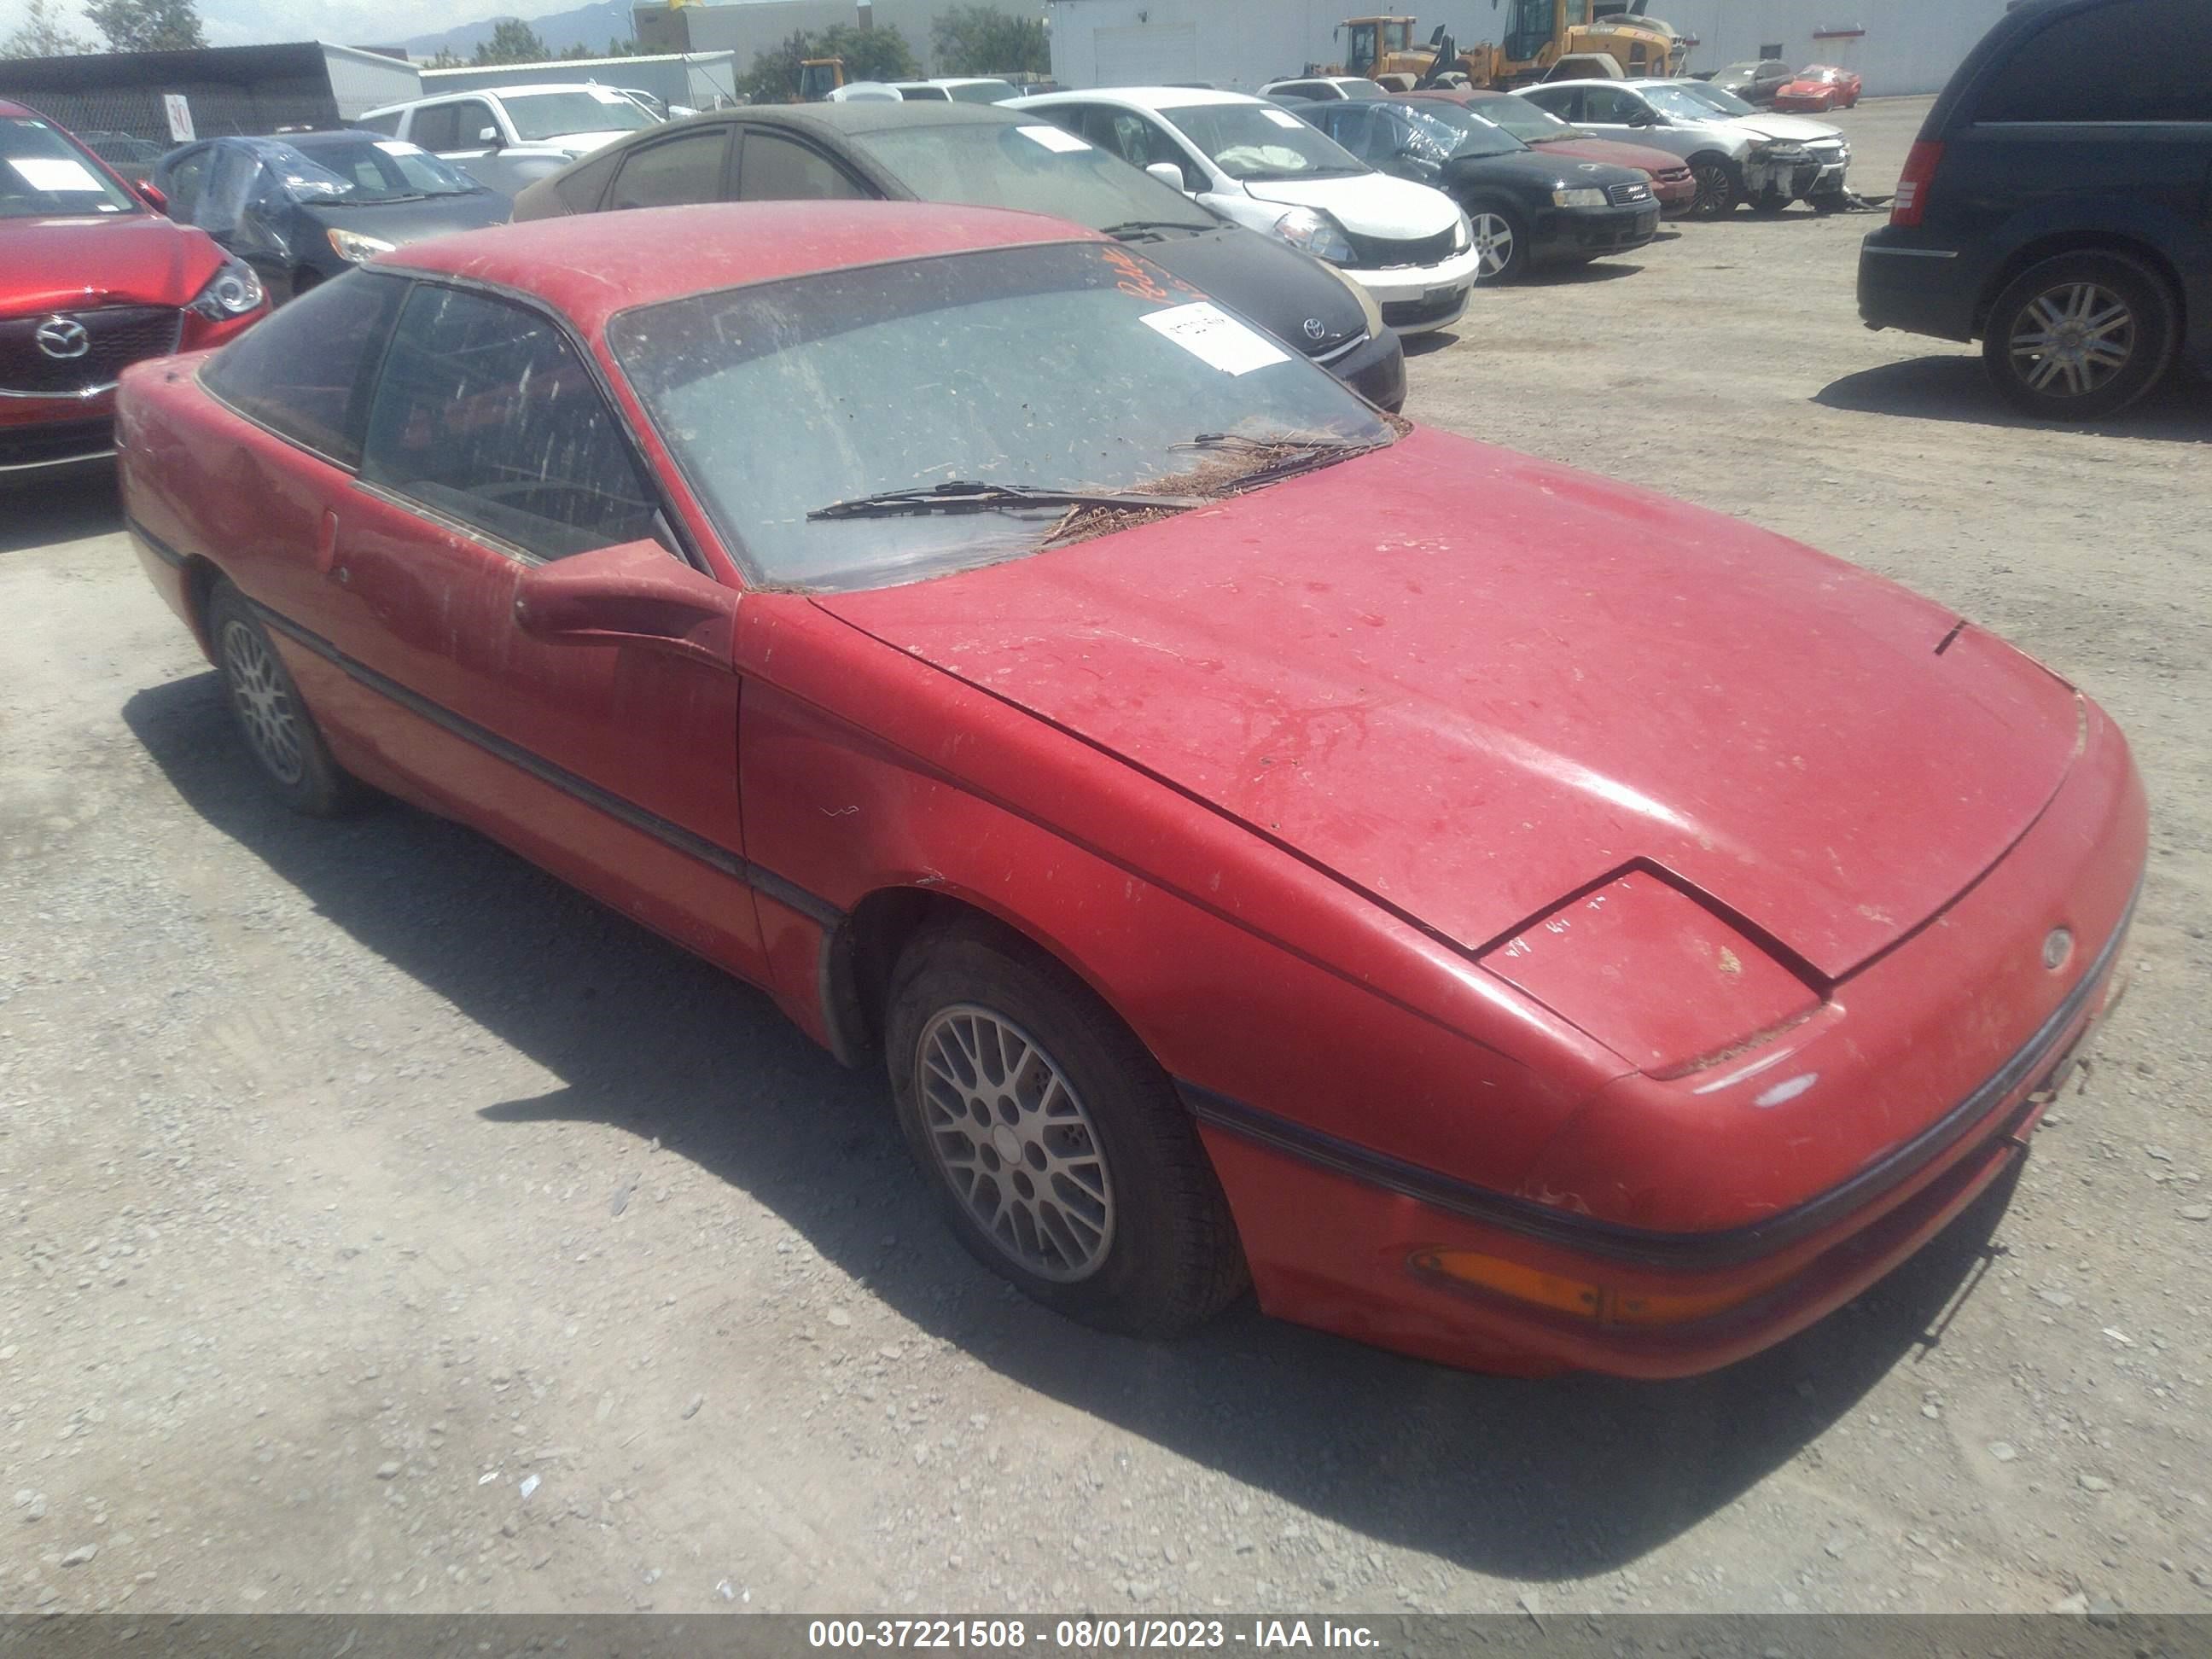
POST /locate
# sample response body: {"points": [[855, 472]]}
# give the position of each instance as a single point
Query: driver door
{"points": [[490, 450]]}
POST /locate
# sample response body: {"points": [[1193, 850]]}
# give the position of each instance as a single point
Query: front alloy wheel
{"points": [[1497, 246], [2081, 336], [1717, 193], [1058, 1149]]}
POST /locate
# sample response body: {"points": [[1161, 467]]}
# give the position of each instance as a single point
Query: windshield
{"points": [[983, 92], [1520, 118], [43, 175], [1258, 141], [1070, 367], [1684, 104], [1454, 131], [1038, 168], [369, 170], [539, 115], [1701, 92]]}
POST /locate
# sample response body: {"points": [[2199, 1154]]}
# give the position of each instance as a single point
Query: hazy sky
{"points": [[348, 22]]}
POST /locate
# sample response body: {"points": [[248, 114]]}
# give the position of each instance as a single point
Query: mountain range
{"points": [[591, 27]]}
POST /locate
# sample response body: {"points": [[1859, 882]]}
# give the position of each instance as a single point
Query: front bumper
{"points": [[1592, 232], [1416, 298], [1374, 367], [1959, 1037], [37, 435], [1675, 197]]}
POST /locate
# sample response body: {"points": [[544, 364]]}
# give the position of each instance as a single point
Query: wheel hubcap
{"points": [[1493, 245], [1713, 189], [1011, 1136], [2073, 339], [263, 705]]}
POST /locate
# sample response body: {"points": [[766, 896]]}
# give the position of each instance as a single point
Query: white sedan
{"points": [[1254, 162]]}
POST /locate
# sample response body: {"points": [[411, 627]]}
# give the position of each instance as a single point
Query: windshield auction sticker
{"points": [[1053, 138], [1213, 336]]}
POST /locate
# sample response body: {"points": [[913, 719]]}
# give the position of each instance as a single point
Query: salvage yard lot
{"points": [[391, 1229]]}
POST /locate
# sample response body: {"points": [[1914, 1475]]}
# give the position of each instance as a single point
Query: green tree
{"points": [[871, 54], [622, 48], [43, 35], [513, 41], [984, 40], [147, 25], [579, 51], [449, 59]]}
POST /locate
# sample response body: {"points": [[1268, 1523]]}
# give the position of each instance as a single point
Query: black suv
{"points": [[2057, 206]]}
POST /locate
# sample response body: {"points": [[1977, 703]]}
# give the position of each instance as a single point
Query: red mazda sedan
{"points": [[1507, 916], [92, 278]]}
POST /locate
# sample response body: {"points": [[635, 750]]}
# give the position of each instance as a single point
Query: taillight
{"points": [[1911, 200]]}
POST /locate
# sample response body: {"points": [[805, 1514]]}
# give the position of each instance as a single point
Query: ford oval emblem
{"points": [[2058, 947]]}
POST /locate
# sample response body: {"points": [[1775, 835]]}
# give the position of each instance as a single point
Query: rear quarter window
{"points": [[2132, 60]]}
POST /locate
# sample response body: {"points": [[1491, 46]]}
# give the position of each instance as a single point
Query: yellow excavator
{"points": [[1539, 34], [819, 78]]}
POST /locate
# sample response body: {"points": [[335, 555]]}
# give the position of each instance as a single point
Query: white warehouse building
{"points": [[1898, 45]]}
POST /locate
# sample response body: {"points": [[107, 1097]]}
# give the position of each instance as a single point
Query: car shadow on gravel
{"points": [[63, 507], [1531, 1480], [1954, 387]]}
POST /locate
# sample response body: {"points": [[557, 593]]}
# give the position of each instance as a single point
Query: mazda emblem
{"points": [[1316, 328], [62, 337]]}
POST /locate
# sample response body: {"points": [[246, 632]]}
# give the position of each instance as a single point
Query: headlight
{"points": [[1581, 196], [354, 248], [1317, 233], [233, 291], [1367, 308], [1462, 234]]}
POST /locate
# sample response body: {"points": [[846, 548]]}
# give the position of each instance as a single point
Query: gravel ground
{"points": [[391, 1229]]}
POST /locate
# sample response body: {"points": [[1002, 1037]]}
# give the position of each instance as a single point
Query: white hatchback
{"points": [[1256, 163]]}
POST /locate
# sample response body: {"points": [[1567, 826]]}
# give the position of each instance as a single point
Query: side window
{"points": [[485, 413], [186, 176], [474, 117], [1355, 128], [777, 169], [1565, 103], [437, 127], [686, 169], [1605, 107], [1124, 133], [386, 125], [2138, 60], [304, 372]]}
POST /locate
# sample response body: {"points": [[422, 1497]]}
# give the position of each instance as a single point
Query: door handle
{"points": [[326, 544]]}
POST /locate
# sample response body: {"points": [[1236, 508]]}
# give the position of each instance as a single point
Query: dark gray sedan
{"points": [[986, 156]]}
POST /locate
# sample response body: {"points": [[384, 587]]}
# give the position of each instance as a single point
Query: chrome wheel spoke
{"points": [[264, 706], [2072, 340], [1014, 1143]]}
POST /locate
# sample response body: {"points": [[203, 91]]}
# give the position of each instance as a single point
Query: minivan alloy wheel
{"points": [[2073, 339]]}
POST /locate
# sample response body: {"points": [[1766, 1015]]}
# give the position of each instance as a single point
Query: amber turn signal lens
{"points": [[1593, 1301]]}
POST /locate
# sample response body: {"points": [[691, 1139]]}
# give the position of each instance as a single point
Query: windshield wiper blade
{"points": [[1131, 230], [967, 495], [1291, 455]]}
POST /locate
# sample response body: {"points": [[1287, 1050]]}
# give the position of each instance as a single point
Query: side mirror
{"points": [[1167, 172], [153, 197], [489, 135], [632, 593]]}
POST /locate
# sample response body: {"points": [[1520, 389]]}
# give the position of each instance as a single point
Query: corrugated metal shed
{"points": [[230, 89]]}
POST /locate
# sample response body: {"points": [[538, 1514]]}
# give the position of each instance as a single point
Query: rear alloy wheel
{"points": [[272, 715], [1718, 192], [1501, 246], [2080, 336], [1057, 1148]]}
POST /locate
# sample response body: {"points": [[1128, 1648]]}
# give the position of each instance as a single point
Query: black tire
{"points": [[1498, 229], [272, 716], [2080, 291], [1720, 185], [1834, 202], [1159, 1256]]}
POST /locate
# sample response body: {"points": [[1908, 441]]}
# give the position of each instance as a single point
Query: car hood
{"points": [[400, 222], [80, 262], [1470, 684], [1290, 294], [1795, 127], [1367, 204], [1536, 170], [1642, 157]]}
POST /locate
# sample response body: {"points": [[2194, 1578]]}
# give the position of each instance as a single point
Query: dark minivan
{"points": [[2057, 206]]}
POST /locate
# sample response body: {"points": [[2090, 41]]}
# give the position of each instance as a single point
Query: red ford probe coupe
{"points": [[1509, 917]]}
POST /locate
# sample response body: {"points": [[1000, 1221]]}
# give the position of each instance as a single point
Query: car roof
{"points": [[860, 115], [1144, 97], [492, 92], [591, 265]]}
